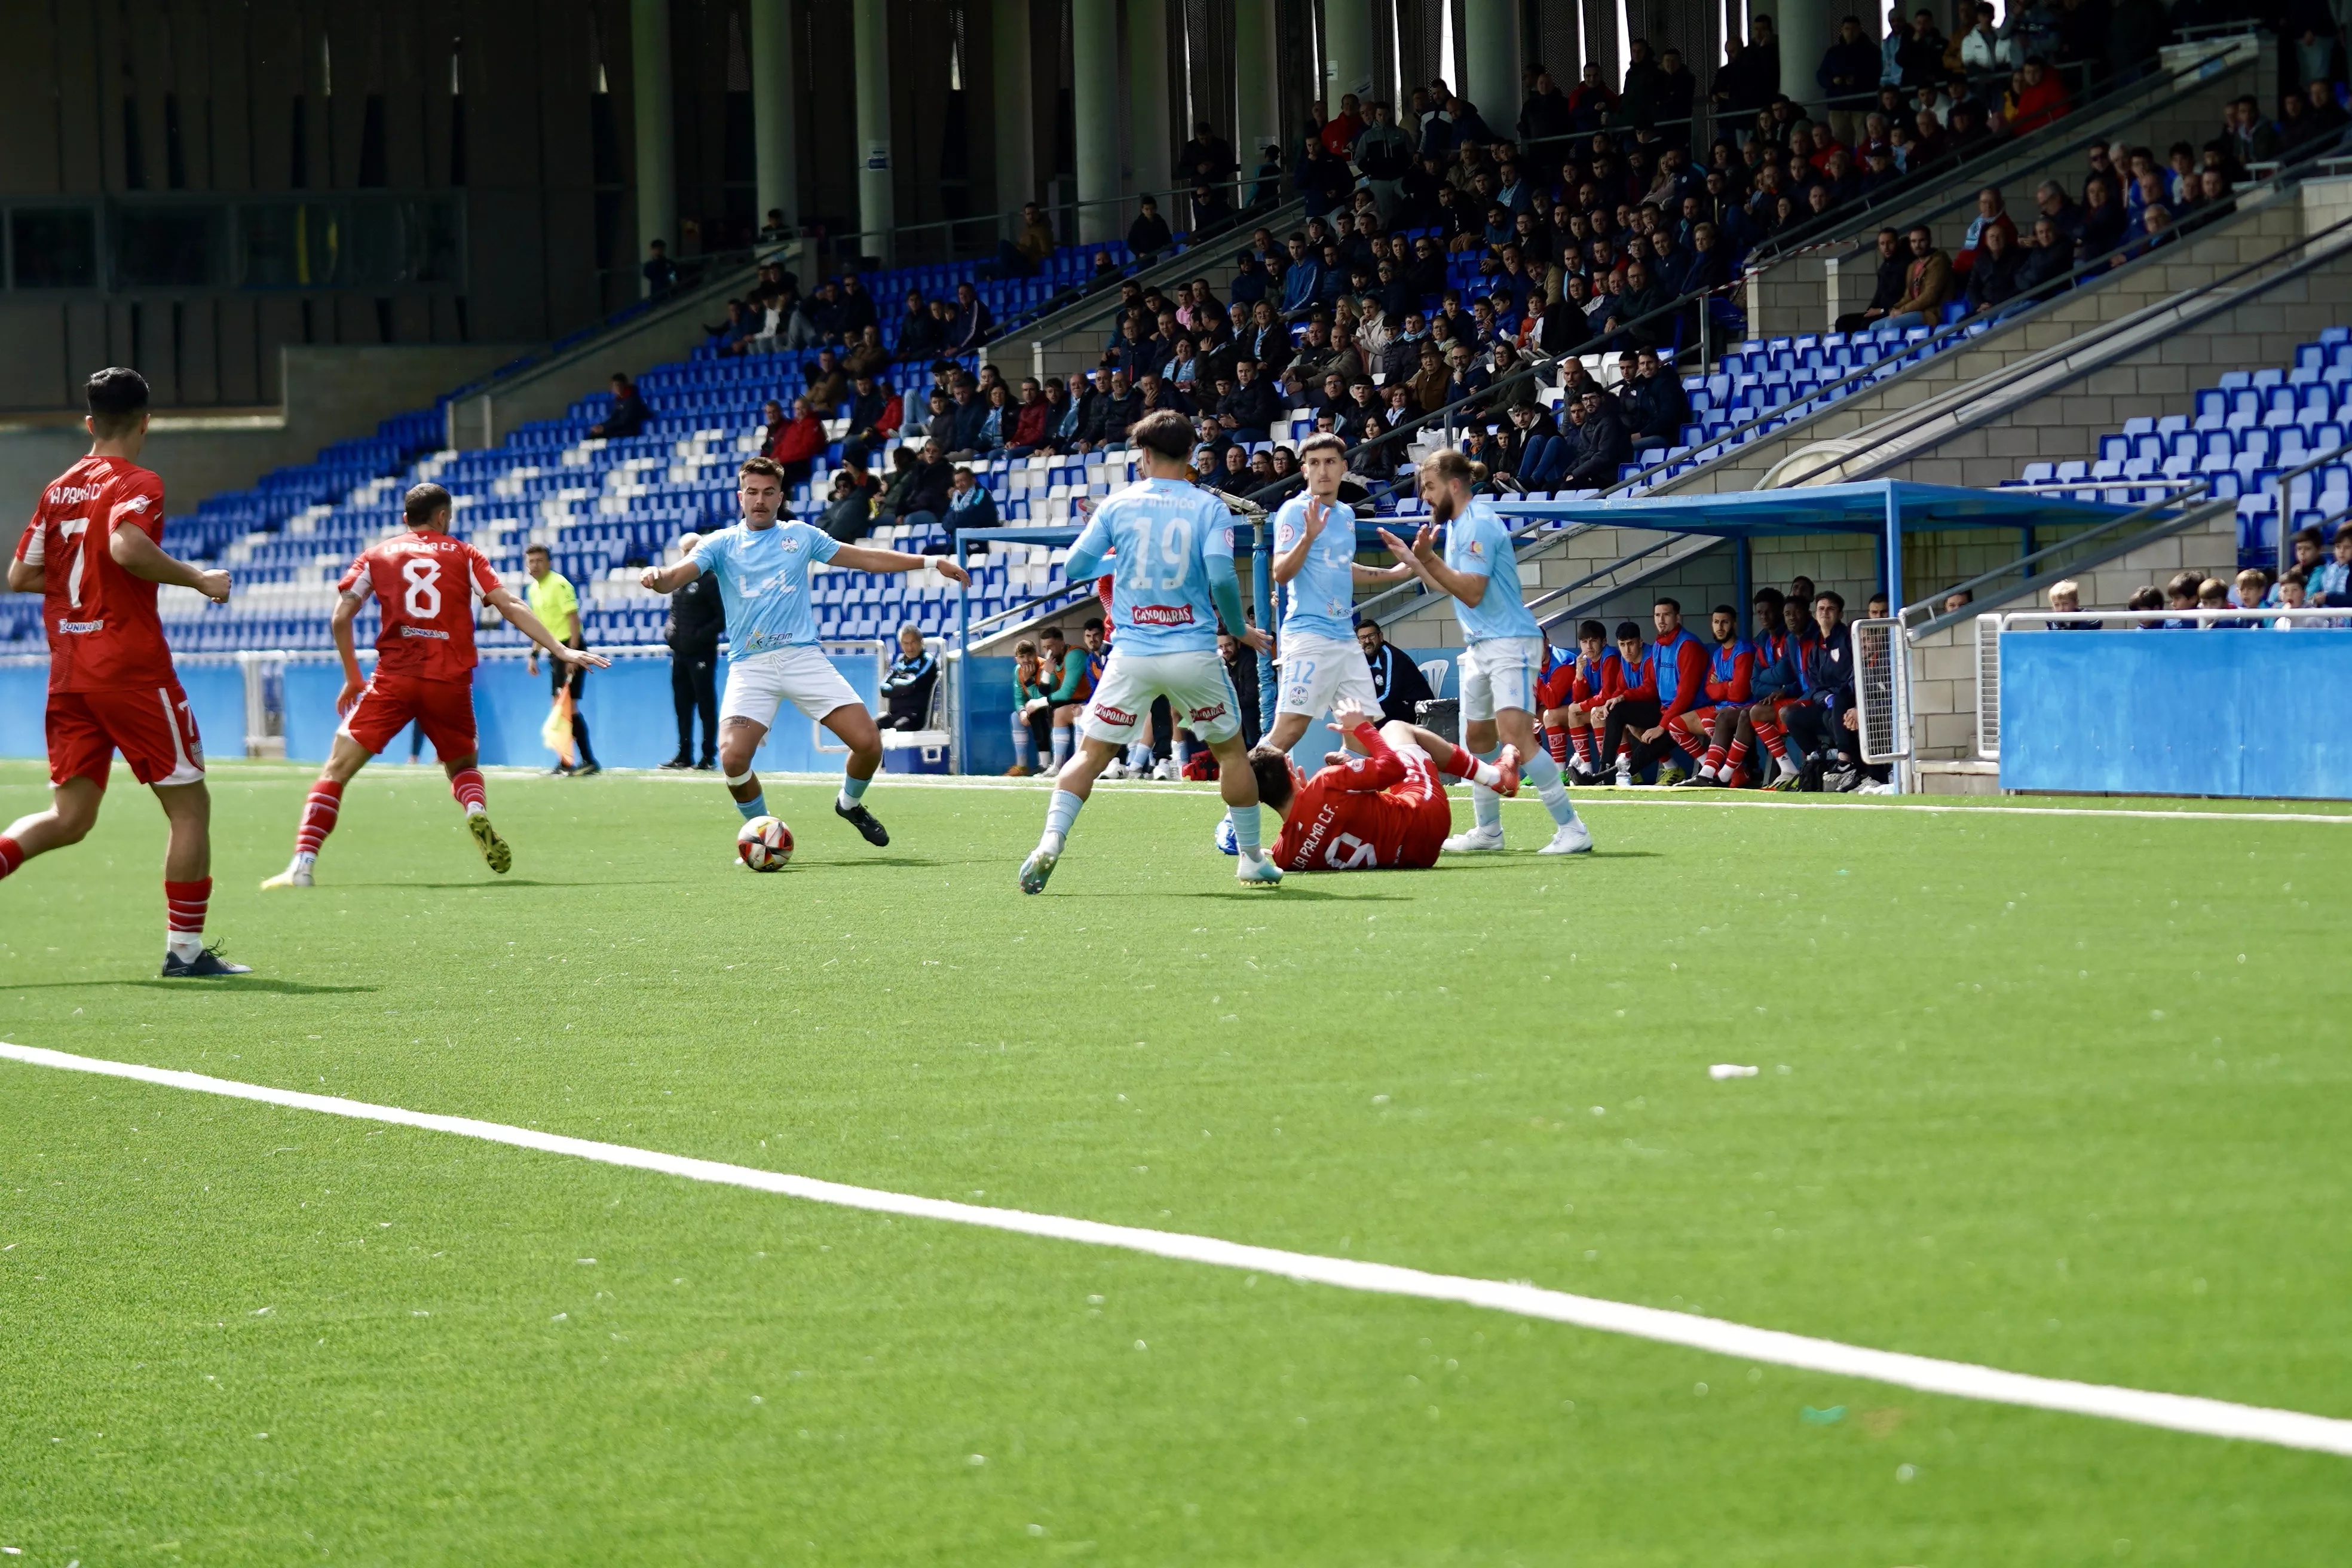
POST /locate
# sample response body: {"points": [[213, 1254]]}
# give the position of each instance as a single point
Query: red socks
{"points": [[467, 785], [1736, 756], [1556, 743], [1714, 755], [1463, 765], [1770, 735], [12, 855], [318, 814], [1582, 741], [184, 904]]}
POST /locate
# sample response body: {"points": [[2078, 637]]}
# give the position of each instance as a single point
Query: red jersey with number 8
{"points": [[427, 584], [104, 634]]}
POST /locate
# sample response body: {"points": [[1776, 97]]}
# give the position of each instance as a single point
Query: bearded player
{"points": [[427, 584], [1504, 654], [1383, 810], [1315, 558], [94, 553]]}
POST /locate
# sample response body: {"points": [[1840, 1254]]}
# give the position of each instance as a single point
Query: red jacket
{"points": [[1632, 678], [2038, 106], [1029, 422], [796, 440]]}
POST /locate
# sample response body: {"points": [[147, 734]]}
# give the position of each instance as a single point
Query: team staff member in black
{"points": [[696, 621], [907, 687], [1396, 679]]}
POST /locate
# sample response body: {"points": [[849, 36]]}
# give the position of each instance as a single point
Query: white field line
{"points": [[1585, 798], [2172, 1411]]}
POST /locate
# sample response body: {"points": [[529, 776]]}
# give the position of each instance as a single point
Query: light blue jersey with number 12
{"points": [[1323, 594], [1163, 534]]}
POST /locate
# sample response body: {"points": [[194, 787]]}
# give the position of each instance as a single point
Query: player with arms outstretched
{"points": [[426, 583], [1315, 558], [94, 553], [1504, 648], [761, 566], [1383, 810], [1174, 582]]}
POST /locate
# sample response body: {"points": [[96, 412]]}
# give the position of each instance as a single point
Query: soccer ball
{"points": [[765, 844], [1225, 840]]}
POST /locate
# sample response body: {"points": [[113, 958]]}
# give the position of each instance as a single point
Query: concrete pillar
{"points": [[1149, 152], [1807, 28], [1346, 51], [1490, 61], [878, 202], [1093, 81], [1258, 100], [776, 144], [657, 125], [1016, 121]]}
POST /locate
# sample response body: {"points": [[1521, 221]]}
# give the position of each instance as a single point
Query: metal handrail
{"points": [[1824, 232], [1930, 409], [1937, 620]]}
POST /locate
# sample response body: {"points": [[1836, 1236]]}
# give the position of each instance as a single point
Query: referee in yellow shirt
{"points": [[558, 609]]}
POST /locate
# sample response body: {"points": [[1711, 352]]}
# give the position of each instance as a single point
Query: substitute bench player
{"points": [[94, 553], [426, 583]]}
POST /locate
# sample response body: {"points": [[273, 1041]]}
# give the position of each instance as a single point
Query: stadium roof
{"points": [[1866, 508]]}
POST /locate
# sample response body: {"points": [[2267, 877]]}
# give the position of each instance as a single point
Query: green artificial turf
{"points": [[2063, 1094]]}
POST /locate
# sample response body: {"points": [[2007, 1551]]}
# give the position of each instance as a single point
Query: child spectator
{"points": [[2331, 581]]}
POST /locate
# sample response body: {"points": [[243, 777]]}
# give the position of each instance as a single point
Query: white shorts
{"points": [[1319, 670], [1499, 673], [1198, 691], [801, 675]]}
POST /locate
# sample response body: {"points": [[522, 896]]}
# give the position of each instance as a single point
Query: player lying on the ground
{"points": [[94, 553], [426, 583], [1504, 651], [1173, 582], [762, 565], [1315, 559], [1384, 809]]}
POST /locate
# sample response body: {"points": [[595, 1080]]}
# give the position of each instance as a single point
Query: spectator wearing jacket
{"points": [[970, 504], [2042, 265], [1148, 235], [1302, 281], [2039, 101], [1991, 213], [1927, 284], [1993, 280], [1031, 421], [795, 443], [875, 415], [1660, 405], [1249, 411], [626, 416], [1602, 444], [1848, 78]]}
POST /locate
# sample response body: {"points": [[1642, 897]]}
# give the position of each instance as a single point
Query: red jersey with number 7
{"points": [[104, 634], [427, 584]]}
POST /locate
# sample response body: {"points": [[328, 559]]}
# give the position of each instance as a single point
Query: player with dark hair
{"points": [[762, 565], [94, 553], [1780, 684], [1708, 730], [1315, 561], [1682, 682], [426, 583], [1629, 704], [1569, 693], [1172, 545], [1382, 810]]}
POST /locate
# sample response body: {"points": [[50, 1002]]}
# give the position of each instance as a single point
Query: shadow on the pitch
{"points": [[462, 886], [887, 860], [1290, 893], [216, 982]]}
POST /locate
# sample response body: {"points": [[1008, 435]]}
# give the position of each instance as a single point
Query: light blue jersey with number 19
{"points": [[1163, 534]]}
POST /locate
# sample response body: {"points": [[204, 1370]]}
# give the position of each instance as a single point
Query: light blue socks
{"points": [[755, 807], [1545, 775], [1060, 813], [1244, 821]]}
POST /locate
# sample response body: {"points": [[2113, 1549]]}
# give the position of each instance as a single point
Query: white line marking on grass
{"points": [[2172, 1411]]}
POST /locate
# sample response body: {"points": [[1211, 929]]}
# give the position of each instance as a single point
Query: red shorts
{"points": [[151, 726], [1695, 720], [1433, 817], [445, 708]]}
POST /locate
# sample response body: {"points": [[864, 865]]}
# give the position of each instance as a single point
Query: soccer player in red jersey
{"points": [[1571, 695], [94, 553], [1382, 810], [427, 584], [1709, 731]]}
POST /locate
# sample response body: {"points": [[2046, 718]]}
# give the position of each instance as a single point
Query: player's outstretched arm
{"points": [[1380, 766], [1421, 559], [865, 558], [519, 616], [143, 558], [669, 579]]}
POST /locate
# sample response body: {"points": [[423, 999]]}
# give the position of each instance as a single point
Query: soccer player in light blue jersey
{"points": [[1502, 653], [761, 566], [1172, 582], [1315, 561]]}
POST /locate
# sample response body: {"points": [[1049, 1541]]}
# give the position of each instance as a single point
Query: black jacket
{"points": [[907, 689], [1604, 446], [1661, 409], [697, 618], [1398, 684], [1252, 407]]}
